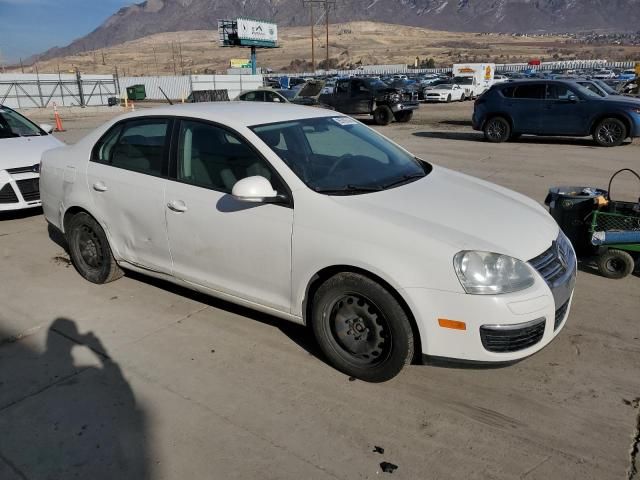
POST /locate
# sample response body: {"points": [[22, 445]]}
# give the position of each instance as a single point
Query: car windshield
{"points": [[12, 124], [340, 156], [464, 80], [288, 94], [585, 91], [605, 87], [376, 84]]}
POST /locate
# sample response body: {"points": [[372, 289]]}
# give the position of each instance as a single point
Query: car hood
{"points": [[462, 212], [621, 101], [439, 89], [25, 151]]}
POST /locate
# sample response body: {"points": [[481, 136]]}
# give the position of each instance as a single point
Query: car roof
{"points": [[236, 114]]}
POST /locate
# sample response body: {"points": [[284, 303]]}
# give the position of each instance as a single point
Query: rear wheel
{"points": [[610, 132], [449, 98], [404, 117], [89, 250], [361, 328], [615, 264], [497, 130], [383, 115]]}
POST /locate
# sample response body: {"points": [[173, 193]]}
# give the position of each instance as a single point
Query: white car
{"points": [[22, 143], [445, 92], [604, 74], [311, 216]]}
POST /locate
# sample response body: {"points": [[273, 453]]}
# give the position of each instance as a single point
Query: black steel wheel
{"points": [[89, 250], [361, 328], [382, 115], [497, 130], [615, 264], [610, 132]]}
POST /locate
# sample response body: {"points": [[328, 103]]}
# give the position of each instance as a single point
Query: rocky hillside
{"points": [[157, 16]]}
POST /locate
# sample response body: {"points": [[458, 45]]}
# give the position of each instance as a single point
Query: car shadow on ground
{"points": [[301, 335], [479, 137], [66, 415], [458, 123]]}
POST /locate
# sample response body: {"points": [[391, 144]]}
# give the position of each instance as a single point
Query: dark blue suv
{"points": [[555, 107]]}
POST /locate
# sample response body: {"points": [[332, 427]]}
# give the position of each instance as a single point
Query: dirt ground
{"points": [[141, 379]]}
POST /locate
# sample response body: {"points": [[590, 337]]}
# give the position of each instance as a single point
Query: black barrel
{"points": [[571, 208]]}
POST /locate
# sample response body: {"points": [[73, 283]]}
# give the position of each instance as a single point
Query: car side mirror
{"points": [[46, 127], [256, 189], [572, 99]]}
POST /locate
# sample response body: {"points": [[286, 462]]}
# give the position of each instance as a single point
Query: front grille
{"points": [[7, 195], [30, 189], [560, 314], [549, 265], [30, 169], [409, 97], [511, 338]]}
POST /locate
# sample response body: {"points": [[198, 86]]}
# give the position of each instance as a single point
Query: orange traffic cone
{"points": [[56, 115]]}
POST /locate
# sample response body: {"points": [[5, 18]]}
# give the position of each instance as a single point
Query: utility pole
{"points": [[327, 5]]}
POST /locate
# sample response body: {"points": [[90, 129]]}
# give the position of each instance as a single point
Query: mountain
{"points": [[525, 16]]}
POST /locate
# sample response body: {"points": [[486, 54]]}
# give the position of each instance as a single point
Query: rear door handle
{"points": [[100, 187], [177, 206]]}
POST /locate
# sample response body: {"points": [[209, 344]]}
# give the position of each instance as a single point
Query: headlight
{"points": [[486, 273]]}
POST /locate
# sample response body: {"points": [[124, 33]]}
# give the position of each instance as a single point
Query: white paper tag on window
{"points": [[344, 121]]}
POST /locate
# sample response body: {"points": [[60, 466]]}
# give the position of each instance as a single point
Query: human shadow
{"points": [[67, 415]]}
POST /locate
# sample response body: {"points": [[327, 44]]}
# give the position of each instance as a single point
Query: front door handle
{"points": [[100, 187], [177, 206]]}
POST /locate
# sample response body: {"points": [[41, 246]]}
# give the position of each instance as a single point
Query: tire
{"points": [[382, 115], [449, 98], [615, 264], [404, 117], [375, 340], [610, 132], [497, 130], [89, 250]]}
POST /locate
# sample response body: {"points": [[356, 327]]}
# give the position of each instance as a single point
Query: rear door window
{"points": [[136, 145], [530, 92]]}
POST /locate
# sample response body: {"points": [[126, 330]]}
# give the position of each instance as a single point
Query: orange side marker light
{"points": [[453, 324]]}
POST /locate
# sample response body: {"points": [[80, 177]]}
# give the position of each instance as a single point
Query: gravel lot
{"points": [[142, 379]]}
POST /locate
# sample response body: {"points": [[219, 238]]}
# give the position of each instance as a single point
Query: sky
{"points": [[33, 26]]}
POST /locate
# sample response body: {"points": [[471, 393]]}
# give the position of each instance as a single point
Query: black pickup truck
{"points": [[370, 96]]}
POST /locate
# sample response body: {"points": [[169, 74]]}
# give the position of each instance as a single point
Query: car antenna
{"points": [[165, 96]]}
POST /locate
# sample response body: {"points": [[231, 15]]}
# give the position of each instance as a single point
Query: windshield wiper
{"points": [[350, 188], [404, 179]]}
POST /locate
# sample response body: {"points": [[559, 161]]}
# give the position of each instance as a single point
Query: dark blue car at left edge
{"points": [[555, 108]]}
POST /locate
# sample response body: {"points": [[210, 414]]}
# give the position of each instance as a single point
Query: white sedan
{"points": [[22, 143], [445, 92], [313, 217]]}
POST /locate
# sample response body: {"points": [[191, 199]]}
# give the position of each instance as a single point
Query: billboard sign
{"points": [[257, 32], [240, 63]]}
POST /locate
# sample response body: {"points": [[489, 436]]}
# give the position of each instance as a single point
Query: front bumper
{"points": [[19, 190], [435, 98], [499, 328], [402, 107]]}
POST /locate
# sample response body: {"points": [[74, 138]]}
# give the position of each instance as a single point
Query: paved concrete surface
{"points": [[141, 379]]}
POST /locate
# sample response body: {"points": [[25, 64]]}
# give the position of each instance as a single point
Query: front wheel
{"points": [[610, 132], [361, 328], [497, 130], [615, 264], [383, 115], [404, 117], [89, 250]]}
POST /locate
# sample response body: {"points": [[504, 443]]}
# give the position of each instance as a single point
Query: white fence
{"points": [[42, 90], [393, 69], [181, 86], [234, 84]]}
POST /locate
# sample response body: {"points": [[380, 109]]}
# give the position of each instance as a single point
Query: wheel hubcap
{"points": [[359, 329], [614, 265], [496, 130], [609, 132], [89, 247]]}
